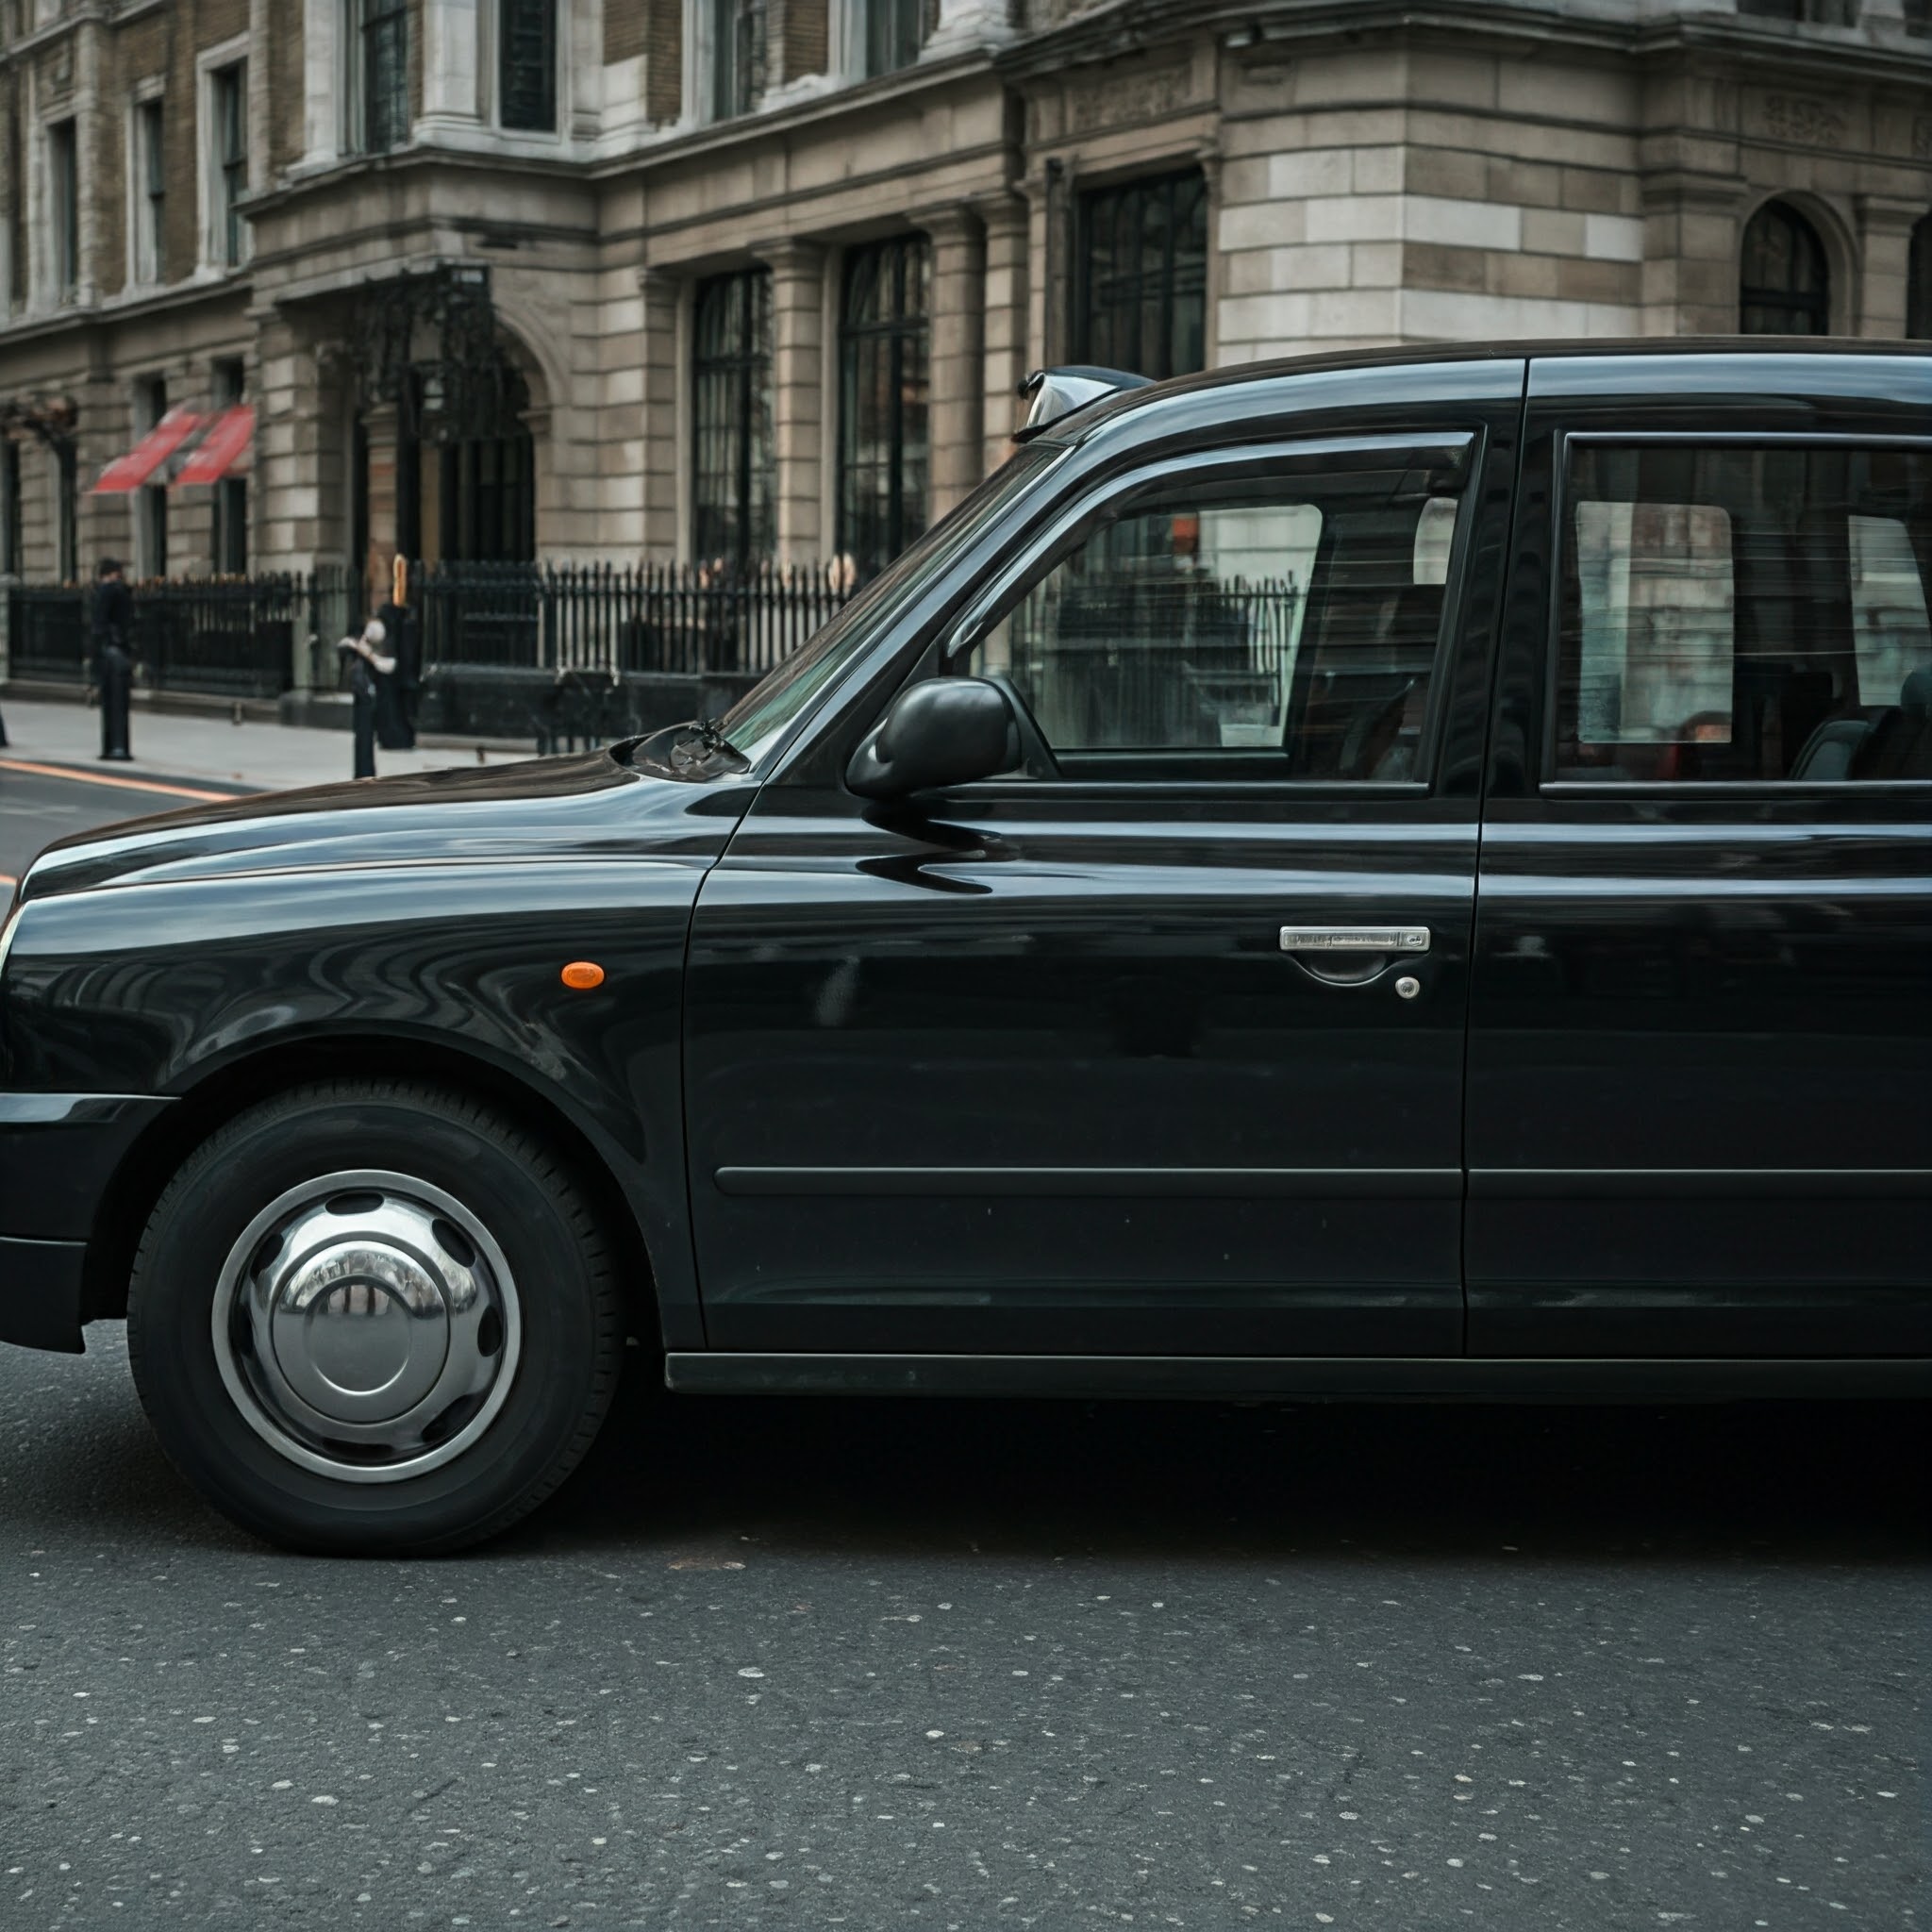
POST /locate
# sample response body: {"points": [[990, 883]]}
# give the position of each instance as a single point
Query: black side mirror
{"points": [[944, 731]]}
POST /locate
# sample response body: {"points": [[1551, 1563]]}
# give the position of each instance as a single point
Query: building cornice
{"points": [[347, 173], [666, 147], [684, 143], [86, 13], [1129, 27], [118, 310]]}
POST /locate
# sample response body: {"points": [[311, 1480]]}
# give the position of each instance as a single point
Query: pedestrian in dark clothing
{"points": [[396, 694], [113, 642], [371, 668]]}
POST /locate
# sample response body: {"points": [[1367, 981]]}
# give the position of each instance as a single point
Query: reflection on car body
{"points": [[1388, 874]]}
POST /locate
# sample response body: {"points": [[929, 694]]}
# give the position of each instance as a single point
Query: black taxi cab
{"points": [[1398, 874]]}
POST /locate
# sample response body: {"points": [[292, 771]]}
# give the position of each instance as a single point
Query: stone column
{"points": [[956, 356], [1885, 245], [380, 428], [1048, 193], [798, 403], [322, 81], [100, 245], [1691, 231], [104, 426], [663, 296], [1004, 219], [1217, 267], [292, 424], [450, 96]]}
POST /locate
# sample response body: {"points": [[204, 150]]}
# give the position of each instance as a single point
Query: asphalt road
{"points": [[882, 1665], [40, 803]]}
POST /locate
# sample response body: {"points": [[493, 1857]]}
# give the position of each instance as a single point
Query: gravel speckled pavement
{"points": [[801, 1664]]}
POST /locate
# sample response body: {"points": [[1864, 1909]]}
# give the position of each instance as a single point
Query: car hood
{"points": [[593, 805]]}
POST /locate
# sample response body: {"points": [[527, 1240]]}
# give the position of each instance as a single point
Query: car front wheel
{"points": [[374, 1317]]}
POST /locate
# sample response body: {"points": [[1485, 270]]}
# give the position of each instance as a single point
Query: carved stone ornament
{"points": [[1800, 118], [1111, 101]]}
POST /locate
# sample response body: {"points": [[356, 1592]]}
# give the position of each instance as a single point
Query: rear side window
{"points": [[1282, 627], [1745, 613]]}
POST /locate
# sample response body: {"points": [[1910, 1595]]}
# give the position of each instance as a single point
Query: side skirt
{"points": [[1278, 1377]]}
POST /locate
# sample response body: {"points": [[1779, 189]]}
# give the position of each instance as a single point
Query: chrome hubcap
{"points": [[366, 1326]]}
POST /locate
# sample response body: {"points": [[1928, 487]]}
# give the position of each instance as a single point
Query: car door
{"points": [[1153, 1046], [1699, 1102]]}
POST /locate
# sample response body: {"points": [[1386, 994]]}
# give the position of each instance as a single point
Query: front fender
{"points": [[160, 989]]}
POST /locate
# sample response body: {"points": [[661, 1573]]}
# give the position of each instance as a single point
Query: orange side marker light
{"points": [[580, 975]]}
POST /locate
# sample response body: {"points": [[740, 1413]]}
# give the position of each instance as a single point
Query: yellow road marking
{"points": [[80, 777]]}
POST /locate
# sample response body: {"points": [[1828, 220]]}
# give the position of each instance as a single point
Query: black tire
{"points": [[570, 1350]]}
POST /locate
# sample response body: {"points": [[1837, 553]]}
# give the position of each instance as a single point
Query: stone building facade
{"points": [[759, 279]]}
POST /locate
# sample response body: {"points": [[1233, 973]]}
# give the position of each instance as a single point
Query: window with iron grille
{"points": [[1918, 283], [150, 194], [738, 57], [526, 64], [1785, 286], [489, 499], [382, 71], [14, 288], [1141, 291], [883, 391], [63, 187], [733, 523], [894, 32], [228, 100], [11, 547]]}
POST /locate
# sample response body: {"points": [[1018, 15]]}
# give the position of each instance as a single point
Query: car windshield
{"points": [[755, 723]]}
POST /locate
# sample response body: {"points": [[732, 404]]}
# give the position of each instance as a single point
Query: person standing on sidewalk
{"points": [[370, 668], [113, 636]]}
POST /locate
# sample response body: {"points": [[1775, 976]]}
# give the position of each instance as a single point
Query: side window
{"points": [[1276, 626], [1745, 614]]}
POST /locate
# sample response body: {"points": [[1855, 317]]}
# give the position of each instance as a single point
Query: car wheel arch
{"points": [[165, 1145]]}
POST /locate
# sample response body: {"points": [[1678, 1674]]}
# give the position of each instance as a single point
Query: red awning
{"points": [[222, 448], [147, 455]]}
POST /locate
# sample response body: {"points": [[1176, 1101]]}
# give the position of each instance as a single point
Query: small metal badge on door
{"points": [[1354, 939]]}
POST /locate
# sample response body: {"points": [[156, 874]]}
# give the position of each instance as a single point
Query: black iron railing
{"points": [[1168, 661], [48, 635], [234, 638], [490, 629], [683, 619]]}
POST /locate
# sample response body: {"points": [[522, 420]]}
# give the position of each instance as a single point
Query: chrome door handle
{"points": [[1354, 939]]}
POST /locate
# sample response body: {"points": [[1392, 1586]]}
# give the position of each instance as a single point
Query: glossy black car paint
{"points": [[1700, 1061], [882, 1002], [351, 926], [1034, 1074]]}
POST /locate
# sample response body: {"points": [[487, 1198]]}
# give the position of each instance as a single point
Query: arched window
{"points": [[1918, 283], [1785, 287]]}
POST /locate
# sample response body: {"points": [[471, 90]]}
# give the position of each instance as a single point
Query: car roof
{"points": [[1735, 363]]}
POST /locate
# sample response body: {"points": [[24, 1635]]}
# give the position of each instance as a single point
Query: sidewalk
{"points": [[172, 745]]}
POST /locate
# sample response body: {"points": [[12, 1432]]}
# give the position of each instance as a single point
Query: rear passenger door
{"points": [[1700, 1088]]}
